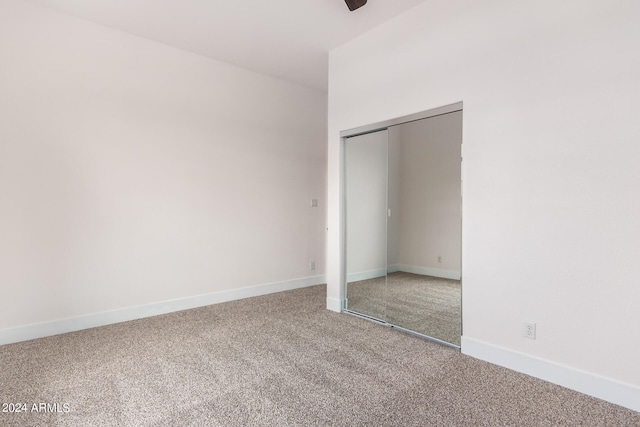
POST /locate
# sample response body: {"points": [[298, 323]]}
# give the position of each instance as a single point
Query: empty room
{"points": [[322, 212]]}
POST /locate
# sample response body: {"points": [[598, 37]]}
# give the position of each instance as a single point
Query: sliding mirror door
{"points": [[424, 230], [403, 223], [366, 223]]}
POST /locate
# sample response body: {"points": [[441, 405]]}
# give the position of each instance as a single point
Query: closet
{"points": [[403, 220]]}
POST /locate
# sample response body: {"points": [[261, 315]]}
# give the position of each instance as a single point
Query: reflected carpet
{"points": [[425, 304]]}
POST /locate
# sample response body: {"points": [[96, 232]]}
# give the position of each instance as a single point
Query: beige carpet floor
{"points": [[428, 305], [276, 360]]}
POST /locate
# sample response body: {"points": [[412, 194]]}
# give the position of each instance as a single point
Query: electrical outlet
{"points": [[440, 259], [314, 203], [312, 265], [529, 330]]}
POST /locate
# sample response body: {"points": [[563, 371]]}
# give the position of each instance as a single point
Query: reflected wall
{"points": [[424, 196], [366, 222]]}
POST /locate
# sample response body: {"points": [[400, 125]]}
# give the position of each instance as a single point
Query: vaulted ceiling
{"points": [[288, 39]]}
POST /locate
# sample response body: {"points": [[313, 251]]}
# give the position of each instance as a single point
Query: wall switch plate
{"points": [[314, 203], [312, 265], [529, 330]]}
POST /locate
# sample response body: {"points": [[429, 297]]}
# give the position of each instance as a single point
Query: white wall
{"points": [[133, 173], [551, 207]]}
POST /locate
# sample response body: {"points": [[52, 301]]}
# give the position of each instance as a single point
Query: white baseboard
{"points": [[613, 391], [425, 271], [40, 330], [334, 304], [366, 275]]}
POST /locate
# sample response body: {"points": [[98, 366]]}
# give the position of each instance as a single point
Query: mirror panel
{"points": [[424, 230], [366, 223]]}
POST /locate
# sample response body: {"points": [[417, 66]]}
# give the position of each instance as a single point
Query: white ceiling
{"points": [[288, 39]]}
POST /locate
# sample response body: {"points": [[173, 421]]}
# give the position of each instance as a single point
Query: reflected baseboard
{"points": [[366, 275], [415, 269], [425, 271]]}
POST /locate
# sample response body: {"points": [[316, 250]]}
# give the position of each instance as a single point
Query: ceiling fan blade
{"points": [[355, 4]]}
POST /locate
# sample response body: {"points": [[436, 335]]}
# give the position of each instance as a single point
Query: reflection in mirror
{"points": [[424, 230], [403, 226], [366, 223]]}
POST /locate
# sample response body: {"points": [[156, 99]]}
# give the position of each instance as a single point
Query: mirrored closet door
{"points": [[366, 223], [403, 226]]}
